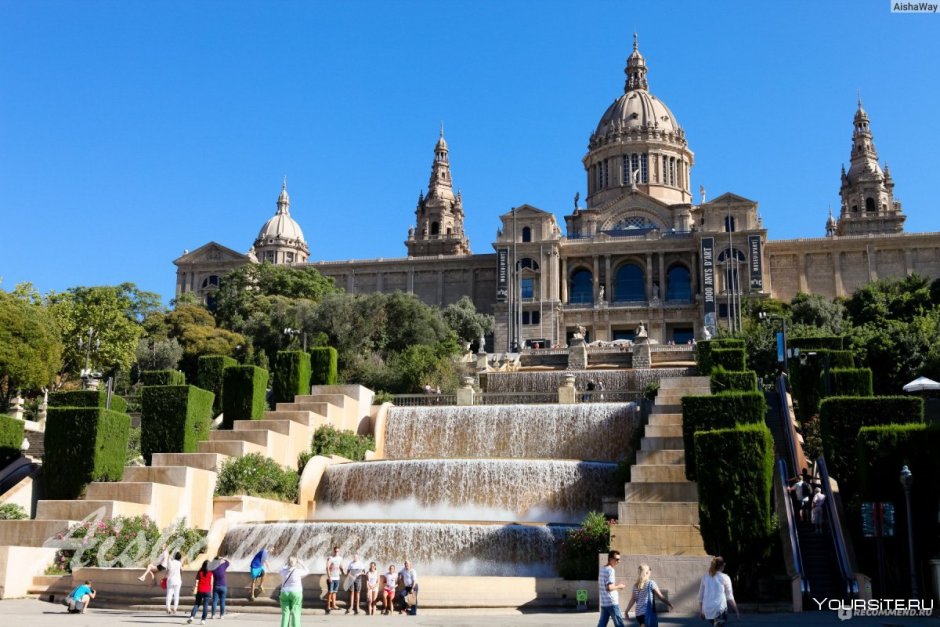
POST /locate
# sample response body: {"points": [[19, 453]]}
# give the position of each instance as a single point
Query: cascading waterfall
{"points": [[434, 548], [595, 431], [465, 489], [550, 381]]}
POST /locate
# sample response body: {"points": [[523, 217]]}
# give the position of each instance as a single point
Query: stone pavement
{"points": [[33, 613]]}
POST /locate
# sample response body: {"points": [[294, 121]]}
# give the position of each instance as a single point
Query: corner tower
{"points": [[280, 240], [439, 214], [868, 204], [638, 145]]}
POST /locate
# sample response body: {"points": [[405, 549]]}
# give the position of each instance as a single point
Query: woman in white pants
{"points": [[174, 581]]}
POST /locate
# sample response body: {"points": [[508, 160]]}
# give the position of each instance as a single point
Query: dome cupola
{"points": [[281, 240]]}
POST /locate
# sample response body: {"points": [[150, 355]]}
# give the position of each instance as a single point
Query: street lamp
{"points": [[907, 479], [781, 338], [89, 378], [292, 333]]}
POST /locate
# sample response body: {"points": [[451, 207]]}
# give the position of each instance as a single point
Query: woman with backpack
{"points": [[644, 590]]}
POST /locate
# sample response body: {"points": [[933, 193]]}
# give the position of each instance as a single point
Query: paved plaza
{"points": [[22, 612]]}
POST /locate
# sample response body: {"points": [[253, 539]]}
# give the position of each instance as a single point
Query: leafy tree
{"points": [[195, 330], [30, 346], [158, 354], [466, 321], [816, 313], [897, 299]]}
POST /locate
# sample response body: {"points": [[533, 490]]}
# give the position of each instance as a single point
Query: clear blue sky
{"points": [[130, 131]]}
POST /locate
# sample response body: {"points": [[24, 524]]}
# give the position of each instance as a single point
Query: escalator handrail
{"points": [[835, 531], [789, 434], [792, 528]]}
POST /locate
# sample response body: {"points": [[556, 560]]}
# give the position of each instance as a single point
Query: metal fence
{"points": [[518, 398], [424, 400]]}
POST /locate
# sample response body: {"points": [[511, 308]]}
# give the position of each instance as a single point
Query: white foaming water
{"points": [[596, 431], [433, 548], [465, 489]]}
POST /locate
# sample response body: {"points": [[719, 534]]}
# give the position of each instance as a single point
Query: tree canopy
{"points": [[30, 346]]}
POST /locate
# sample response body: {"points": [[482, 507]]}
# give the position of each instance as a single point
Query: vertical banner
{"points": [[708, 285], [757, 263], [502, 275]]}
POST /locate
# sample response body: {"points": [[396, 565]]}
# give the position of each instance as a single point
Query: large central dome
{"points": [[637, 110]]}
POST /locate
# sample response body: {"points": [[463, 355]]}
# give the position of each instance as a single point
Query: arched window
{"points": [[529, 263], [679, 283], [629, 284], [582, 287], [435, 228], [210, 281], [870, 204], [854, 208], [526, 234]]}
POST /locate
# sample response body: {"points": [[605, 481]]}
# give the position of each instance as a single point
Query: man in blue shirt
{"points": [[259, 566], [80, 598]]}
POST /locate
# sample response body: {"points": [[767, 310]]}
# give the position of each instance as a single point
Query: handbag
{"points": [[163, 583], [277, 591], [652, 619]]}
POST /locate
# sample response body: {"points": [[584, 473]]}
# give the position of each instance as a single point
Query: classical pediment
{"points": [[211, 253], [527, 211], [730, 199]]}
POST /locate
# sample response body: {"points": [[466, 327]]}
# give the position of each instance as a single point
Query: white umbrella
{"points": [[921, 384]]}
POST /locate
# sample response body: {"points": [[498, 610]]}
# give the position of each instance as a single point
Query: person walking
{"points": [[259, 566], [816, 516], [409, 583], [372, 587], [643, 591], [607, 588], [334, 570], [354, 571], [203, 590], [159, 566], [174, 581], [292, 591], [715, 594], [219, 567], [388, 592], [80, 598]]}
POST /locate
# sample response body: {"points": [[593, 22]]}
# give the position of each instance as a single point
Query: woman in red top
{"points": [[203, 592]]}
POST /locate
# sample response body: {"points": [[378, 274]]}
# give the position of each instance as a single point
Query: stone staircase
{"points": [[178, 485], [658, 517]]}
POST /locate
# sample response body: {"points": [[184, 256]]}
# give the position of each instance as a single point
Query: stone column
{"points": [[411, 280], [801, 261], [837, 274], [596, 280], [567, 394], [662, 276], [16, 406], [649, 276], [465, 392], [564, 279], [608, 294]]}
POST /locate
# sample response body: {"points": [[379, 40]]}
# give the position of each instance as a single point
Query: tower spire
{"points": [[283, 199], [636, 69]]}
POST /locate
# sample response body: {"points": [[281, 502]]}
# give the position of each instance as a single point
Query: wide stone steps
{"points": [[660, 420], [663, 513], [659, 473], [144, 492], [203, 461], [168, 475], [31, 532], [231, 448], [80, 510], [661, 491], [339, 400], [663, 431], [283, 426], [301, 417], [660, 456], [658, 539], [328, 411], [660, 443], [683, 383], [666, 409]]}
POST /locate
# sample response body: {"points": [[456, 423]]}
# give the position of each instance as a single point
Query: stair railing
{"points": [[792, 538], [836, 535]]}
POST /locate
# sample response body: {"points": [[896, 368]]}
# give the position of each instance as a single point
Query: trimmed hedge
{"points": [[733, 359], [826, 342], [209, 376], [173, 419], [847, 382], [804, 377], [291, 376], [87, 398], [733, 381], [705, 349], [83, 444], [718, 411], [243, 394], [735, 494], [323, 365], [841, 418], [162, 377], [11, 437]]}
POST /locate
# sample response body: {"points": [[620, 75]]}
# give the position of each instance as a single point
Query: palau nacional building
{"points": [[638, 251]]}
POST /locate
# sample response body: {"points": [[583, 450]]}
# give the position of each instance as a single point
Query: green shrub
{"points": [[83, 444], [847, 382], [735, 493], [291, 376], [128, 542], [173, 418], [732, 359], [133, 445], [12, 511], [257, 475], [209, 376], [323, 364], [87, 398], [733, 381], [829, 342], [243, 394], [11, 437], [718, 411], [162, 377], [577, 555], [704, 351], [330, 441], [841, 417], [805, 374]]}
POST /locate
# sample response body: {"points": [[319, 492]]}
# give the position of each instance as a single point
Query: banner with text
{"points": [[502, 275], [757, 263], [708, 285]]}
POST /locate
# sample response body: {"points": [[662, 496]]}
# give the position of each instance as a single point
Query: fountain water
{"points": [[550, 381]]}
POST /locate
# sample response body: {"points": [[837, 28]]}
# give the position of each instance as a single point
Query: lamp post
{"points": [[907, 479], [782, 340], [89, 378], [292, 333]]}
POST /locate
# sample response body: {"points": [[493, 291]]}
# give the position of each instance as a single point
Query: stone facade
{"points": [[639, 251]]}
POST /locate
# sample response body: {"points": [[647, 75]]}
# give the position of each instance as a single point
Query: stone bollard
{"points": [[43, 410], [465, 392], [16, 406], [567, 394]]}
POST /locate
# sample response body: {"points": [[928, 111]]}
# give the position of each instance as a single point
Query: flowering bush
{"points": [[577, 555], [12, 511], [123, 542], [257, 475]]}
